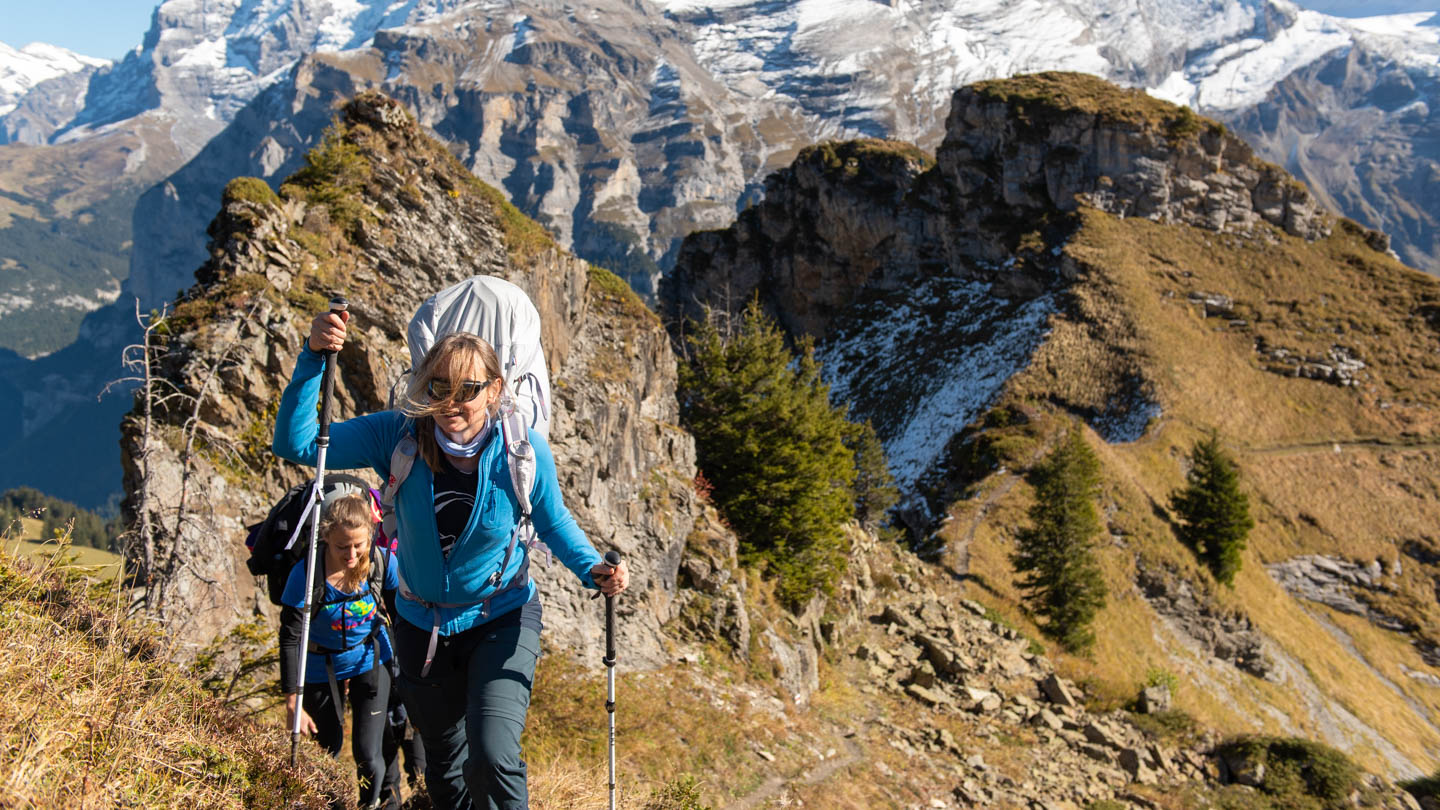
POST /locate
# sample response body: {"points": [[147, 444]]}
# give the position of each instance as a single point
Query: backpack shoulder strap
{"points": [[519, 455], [379, 561], [520, 458], [402, 459]]}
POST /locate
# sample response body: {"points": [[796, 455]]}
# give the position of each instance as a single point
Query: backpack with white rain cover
{"points": [[503, 315]]}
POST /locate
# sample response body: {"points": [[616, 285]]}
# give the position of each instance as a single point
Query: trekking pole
{"points": [[612, 558], [338, 306]]}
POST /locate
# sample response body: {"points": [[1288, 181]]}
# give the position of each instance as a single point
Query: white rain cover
{"points": [[502, 314]]}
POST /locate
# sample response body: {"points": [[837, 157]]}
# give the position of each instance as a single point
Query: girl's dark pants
{"points": [[367, 695], [470, 710]]}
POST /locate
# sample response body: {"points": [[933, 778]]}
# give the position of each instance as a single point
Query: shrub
{"points": [[1214, 513], [680, 794], [334, 175], [1427, 786], [874, 487], [1056, 553], [775, 450], [1298, 773], [248, 189]]}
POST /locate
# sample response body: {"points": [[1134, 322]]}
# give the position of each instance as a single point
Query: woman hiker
{"points": [[348, 643], [468, 632]]}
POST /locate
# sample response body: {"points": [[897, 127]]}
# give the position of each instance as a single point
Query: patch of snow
{"points": [[14, 303], [22, 69], [924, 363], [1176, 89], [523, 32], [1125, 418]]}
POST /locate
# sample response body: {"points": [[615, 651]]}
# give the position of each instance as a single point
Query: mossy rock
{"points": [[1047, 97], [249, 189]]}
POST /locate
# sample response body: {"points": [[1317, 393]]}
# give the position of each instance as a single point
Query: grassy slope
{"points": [[1359, 503], [93, 715]]}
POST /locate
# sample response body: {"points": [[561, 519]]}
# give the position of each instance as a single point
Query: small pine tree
{"points": [[874, 486], [1214, 514], [768, 439], [1056, 553]]}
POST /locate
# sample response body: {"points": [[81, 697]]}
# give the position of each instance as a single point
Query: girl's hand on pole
{"points": [[612, 579], [327, 331], [307, 726]]}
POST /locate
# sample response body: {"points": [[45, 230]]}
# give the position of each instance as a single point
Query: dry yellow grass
{"points": [[1132, 316], [92, 715]]}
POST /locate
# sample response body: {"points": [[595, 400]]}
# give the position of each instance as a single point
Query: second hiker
{"points": [[348, 643]]}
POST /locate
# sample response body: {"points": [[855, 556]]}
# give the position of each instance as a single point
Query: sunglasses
{"points": [[467, 390]]}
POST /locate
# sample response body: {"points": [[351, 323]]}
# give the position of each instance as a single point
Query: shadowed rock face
{"points": [[625, 470], [1364, 133]]}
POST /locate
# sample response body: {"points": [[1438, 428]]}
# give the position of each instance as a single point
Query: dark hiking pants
{"points": [[399, 737], [470, 711], [367, 695]]}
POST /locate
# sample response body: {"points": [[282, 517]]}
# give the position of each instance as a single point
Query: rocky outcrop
{"points": [[951, 660], [1022, 148], [420, 223], [827, 229], [846, 222], [1229, 637]]}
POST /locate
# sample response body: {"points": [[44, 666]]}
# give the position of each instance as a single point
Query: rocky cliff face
{"points": [[420, 222], [953, 268], [1017, 156]]}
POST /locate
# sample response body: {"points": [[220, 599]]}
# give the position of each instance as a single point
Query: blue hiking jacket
{"points": [[464, 576]]}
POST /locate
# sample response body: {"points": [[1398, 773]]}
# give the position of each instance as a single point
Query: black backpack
{"points": [[279, 541]]}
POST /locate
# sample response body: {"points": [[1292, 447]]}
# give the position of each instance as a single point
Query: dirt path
{"points": [[776, 784], [1343, 445]]}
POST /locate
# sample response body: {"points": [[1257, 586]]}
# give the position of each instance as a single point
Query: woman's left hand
{"points": [[612, 579]]}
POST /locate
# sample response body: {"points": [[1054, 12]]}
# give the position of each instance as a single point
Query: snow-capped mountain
{"points": [[21, 70], [623, 125], [201, 62]]}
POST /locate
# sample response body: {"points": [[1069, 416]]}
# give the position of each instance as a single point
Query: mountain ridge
{"points": [[1285, 339]]}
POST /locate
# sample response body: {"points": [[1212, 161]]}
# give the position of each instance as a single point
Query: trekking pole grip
{"points": [[338, 306], [612, 558]]}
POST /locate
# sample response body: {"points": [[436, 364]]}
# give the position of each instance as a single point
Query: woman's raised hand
{"points": [[327, 331]]}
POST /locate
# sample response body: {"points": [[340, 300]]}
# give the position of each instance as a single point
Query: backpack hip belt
{"points": [[329, 654]]}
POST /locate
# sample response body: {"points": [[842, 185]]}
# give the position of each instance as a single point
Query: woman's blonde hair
{"points": [[346, 514], [453, 358]]}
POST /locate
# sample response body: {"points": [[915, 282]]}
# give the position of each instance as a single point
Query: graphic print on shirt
{"points": [[353, 614], [454, 501]]}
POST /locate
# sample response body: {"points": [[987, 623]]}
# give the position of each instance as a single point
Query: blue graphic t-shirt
{"points": [[344, 625]]}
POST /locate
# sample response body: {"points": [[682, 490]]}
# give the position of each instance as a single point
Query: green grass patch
{"points": [[1298, 773]]}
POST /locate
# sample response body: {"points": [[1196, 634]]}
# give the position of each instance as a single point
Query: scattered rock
{"points": [[1154, 699], [1056, 690]]}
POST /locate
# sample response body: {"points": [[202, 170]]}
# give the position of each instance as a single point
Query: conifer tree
{"points": [[874, 486], [1056, 553], [774, 450], [1214, 514]]}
